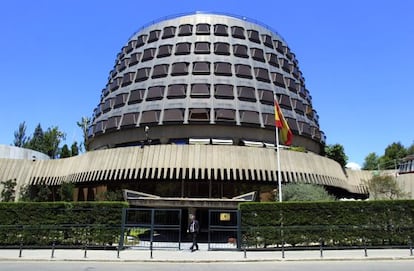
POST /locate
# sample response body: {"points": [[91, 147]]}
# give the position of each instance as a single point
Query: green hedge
{"points": [[334, 223], [42, 223]]}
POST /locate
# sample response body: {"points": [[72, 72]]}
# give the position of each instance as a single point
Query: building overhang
{"points": [[140, 199]]}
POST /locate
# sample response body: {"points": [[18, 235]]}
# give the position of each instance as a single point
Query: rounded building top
{"points": [[203, 77]]}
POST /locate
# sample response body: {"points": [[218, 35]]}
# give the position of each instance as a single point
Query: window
{"points": [[99, 127], [253, 35], [291, 84], [142, 74], [268, 119], [284, 63], [221, 30], [148, 54], [169, 32], [176, 91], [257, 54], [154, 35], [115, 83], [129, 120], [261, 74], [136, 96], [108, 104], [225, 115], [246, 94], [174, 115], [160, 71], [305, 128], [98, 111], [131, 46], [284, 102], [124, 64], [272, 60], [221, 48], [298, 106], [106, 91], [237, 32], [155, 93], [266, 96], [277, 79], [223, 91], [249, 117], [292, 124], [150, 116], [222, 68], [200, 91], [164, 50], [202, 48], [185, 30], [113, 122], [182, 48], [199, 115], [243, 71], [141, 40], [120, 100], [134, 59], [203, 29], [240, 50], [128, 78], [267, 41], [279, 46], [179, 68], [201, 68]]}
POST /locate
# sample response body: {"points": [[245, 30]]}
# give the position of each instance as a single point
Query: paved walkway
{"points": [[202, 255]]}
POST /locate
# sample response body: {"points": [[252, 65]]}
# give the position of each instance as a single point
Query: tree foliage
{"points": [[304, 192], [371, 161], [66, 191], [393, 153], [9, 190], [384, 187], [20, 138], [336, 152], [65, 152], [84, 125]]}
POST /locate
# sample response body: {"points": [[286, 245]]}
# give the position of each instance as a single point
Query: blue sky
{"points": [[356, 56]]}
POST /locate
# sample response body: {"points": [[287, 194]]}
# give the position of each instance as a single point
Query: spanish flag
{"points": [[286, 135]]}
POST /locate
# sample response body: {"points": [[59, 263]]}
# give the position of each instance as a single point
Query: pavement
{"points": [[202, 256]]}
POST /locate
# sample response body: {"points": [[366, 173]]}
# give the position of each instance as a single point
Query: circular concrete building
{"points": [[187, 120], [204, 77]]}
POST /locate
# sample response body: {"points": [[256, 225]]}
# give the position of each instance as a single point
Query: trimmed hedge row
{"points": [[334, 223], [42, 223]]}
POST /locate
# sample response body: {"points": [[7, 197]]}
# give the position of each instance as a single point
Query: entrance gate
{"points": [[223, 229], [151, 228], [164, 228]]}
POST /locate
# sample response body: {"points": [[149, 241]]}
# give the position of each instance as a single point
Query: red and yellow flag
{"points": [[285, 133]]}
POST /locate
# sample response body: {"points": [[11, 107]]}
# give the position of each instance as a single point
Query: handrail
{"points": [[173, 16]]}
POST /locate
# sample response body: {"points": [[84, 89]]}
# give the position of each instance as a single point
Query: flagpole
{"points": [[279, 173]]}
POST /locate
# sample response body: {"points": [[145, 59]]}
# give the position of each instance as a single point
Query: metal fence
{"points": [[223, 229], [151, 228]]}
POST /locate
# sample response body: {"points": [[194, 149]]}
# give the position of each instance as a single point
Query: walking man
{"points": [[193, 229]]}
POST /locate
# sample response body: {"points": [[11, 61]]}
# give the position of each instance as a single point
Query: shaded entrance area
{"points": [[166, 220]]}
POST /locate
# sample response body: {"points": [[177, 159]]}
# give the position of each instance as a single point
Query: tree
{"points": [[84, 124], [336, 152], [66, 191], [65, 152], [410, 150], [371, 161], [304, 192], [36, 142], [52, 138], [384, 187], [20, 138], [74, 149], [8, 193], [43, 193], [25, 193], [393, 153]]}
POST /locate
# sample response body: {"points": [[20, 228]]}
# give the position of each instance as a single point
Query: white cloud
{"points": [[353, 166]]}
